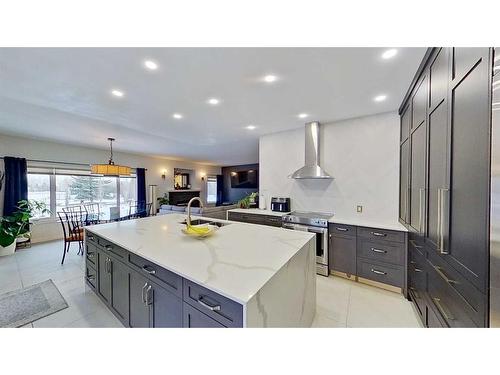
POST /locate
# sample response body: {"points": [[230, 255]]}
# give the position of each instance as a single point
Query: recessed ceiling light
{"points": [[251, 127], [270, 78], [390, 53], [213, 101], [151, 65], [117, 93], [177, 116], [302, 115], [380, 98]]}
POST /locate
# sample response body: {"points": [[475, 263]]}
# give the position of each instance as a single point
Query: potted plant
{"points": [[18, 224], [163, 200], [248, 200]]}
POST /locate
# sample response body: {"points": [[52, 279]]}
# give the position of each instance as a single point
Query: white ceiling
{"points": [[63, 94]]}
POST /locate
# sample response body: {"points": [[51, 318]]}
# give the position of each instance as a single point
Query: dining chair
{"points": [[139, 209], [72, 221], [92, 213]]}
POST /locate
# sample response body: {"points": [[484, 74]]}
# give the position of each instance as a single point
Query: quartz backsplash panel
{"points": [[362, 154]]}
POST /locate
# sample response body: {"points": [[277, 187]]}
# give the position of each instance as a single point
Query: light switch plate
{"points": [[359, 208]]}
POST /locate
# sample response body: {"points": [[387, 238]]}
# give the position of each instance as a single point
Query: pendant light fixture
{"points": [[110, 169]]}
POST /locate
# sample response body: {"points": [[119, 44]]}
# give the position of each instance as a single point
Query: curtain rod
{"points": [[58, 162]]}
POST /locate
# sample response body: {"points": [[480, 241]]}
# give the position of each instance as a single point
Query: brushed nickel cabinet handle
{"points": [[417, 269], [442, 310], [443, 199], [148, 269], [378, 234], [144, 294], [208, 306], [341, 229], [375, 250], [415, 244], [378, 272], [421, 198], [149, 300], [439, 270]]}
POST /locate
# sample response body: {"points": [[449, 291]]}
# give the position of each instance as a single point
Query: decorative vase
{"points": [[9, 250]]}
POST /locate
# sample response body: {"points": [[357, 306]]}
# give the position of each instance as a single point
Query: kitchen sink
{"points": [[201, 222]]}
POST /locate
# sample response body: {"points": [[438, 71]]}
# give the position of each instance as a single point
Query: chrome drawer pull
{"points": [[378, 234], [148, 269], [90, 255], [415, 244], [375, 250], [144, 294], [413, 262], [441, 309], [108, 247], [342, 229], [90, 238], [206, 305], [417, 269], [91, 277], [443, 275], [378, 272]]}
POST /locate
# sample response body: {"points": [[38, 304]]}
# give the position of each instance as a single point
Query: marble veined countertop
{"points": [[258, 211], [236, 262]]}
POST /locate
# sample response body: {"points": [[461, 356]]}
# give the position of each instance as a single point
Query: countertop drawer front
{"points": [[165, 278], [91, 276], [193, 318], [385, 252], [91, 238], [225, 311], [112, 248], [91, 254], [382, 273], [381, 234], [459, 302], [341, 229]]}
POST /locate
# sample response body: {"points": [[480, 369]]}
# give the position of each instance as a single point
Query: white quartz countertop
{"points": [[360, 222], [236, 262], [258, 211]]}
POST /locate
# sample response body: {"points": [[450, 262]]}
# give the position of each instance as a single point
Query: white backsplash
{"points": [[362, 155]]}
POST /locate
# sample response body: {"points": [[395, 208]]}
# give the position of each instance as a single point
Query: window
{"points": [[39, 190], [211, 189], [59, 188]]}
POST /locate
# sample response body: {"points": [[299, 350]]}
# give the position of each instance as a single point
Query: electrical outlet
{"points": [[359, 209]]}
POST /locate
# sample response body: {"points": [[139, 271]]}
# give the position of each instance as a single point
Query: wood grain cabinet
{"points": [[270, 220], [342, 249], [448, 184]]}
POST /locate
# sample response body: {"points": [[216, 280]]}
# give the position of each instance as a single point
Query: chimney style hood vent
{"points": [[312, 169]]}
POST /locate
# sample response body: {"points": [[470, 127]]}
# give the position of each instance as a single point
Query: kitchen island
{"points": [[152, 275]]}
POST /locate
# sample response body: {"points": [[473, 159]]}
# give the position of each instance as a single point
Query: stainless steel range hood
{"points": [[311, 169]]}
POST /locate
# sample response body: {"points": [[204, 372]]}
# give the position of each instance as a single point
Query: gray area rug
{"points": [[23, 306]]}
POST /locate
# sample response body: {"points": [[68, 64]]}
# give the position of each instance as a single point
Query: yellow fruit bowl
{"points": [[200, 231]]}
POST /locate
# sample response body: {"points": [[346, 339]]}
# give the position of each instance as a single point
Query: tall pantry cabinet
{"points": [[444, 185]]}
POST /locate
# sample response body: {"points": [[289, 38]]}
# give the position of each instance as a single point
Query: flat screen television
{"points": [[245, 179]]}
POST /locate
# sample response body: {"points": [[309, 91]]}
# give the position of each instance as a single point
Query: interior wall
{"points": [[234, 195], [362, 155], [52, 151]]}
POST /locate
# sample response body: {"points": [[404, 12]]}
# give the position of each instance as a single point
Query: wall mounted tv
{"points": [[245, 179]]}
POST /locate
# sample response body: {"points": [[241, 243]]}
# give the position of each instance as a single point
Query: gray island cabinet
{"points": [[214, 286]]}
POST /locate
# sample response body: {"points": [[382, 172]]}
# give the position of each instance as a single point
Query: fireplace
{"points": [[181, 198]]}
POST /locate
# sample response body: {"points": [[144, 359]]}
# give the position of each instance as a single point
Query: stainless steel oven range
{"points": [[313, 222]]}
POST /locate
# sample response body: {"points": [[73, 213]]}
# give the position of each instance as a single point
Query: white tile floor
{"points": [[341, 303]]}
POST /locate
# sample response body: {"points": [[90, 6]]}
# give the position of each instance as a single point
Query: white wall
{"points": [[362, 155], [43, 150]]}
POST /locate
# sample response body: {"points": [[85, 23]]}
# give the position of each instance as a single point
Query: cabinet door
{"points": [[403, 181], [103, 276], [417, 178], [166, 308], [196, 319], [139, 309], [470, 170], [343, 254], [405, 124], [119, 288]]}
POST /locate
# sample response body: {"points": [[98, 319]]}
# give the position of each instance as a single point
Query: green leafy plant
{"points": [[249, 199], [17, 224], [163, 200]]}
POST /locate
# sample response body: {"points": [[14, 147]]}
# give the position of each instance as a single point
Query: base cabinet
{"points": [[270, 220], [143, 295]]}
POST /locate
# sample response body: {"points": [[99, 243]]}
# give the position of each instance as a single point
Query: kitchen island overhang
{"points": [[266, 275]]}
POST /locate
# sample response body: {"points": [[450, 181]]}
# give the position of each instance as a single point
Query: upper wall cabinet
{"points": [[405, 124], [419, 104]]}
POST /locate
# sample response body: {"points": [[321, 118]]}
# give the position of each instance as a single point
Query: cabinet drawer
{"points": [[91, 238], [222, 309], [91, 254], [341, 229], [165, 278], [193, 318], [274, 221], [112, 248], [381, 234], [91, 276], [382, 273], [456, 299], [381, 251]]}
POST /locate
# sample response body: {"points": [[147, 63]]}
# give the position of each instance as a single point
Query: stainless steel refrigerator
{"points": [[495, 197]]}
